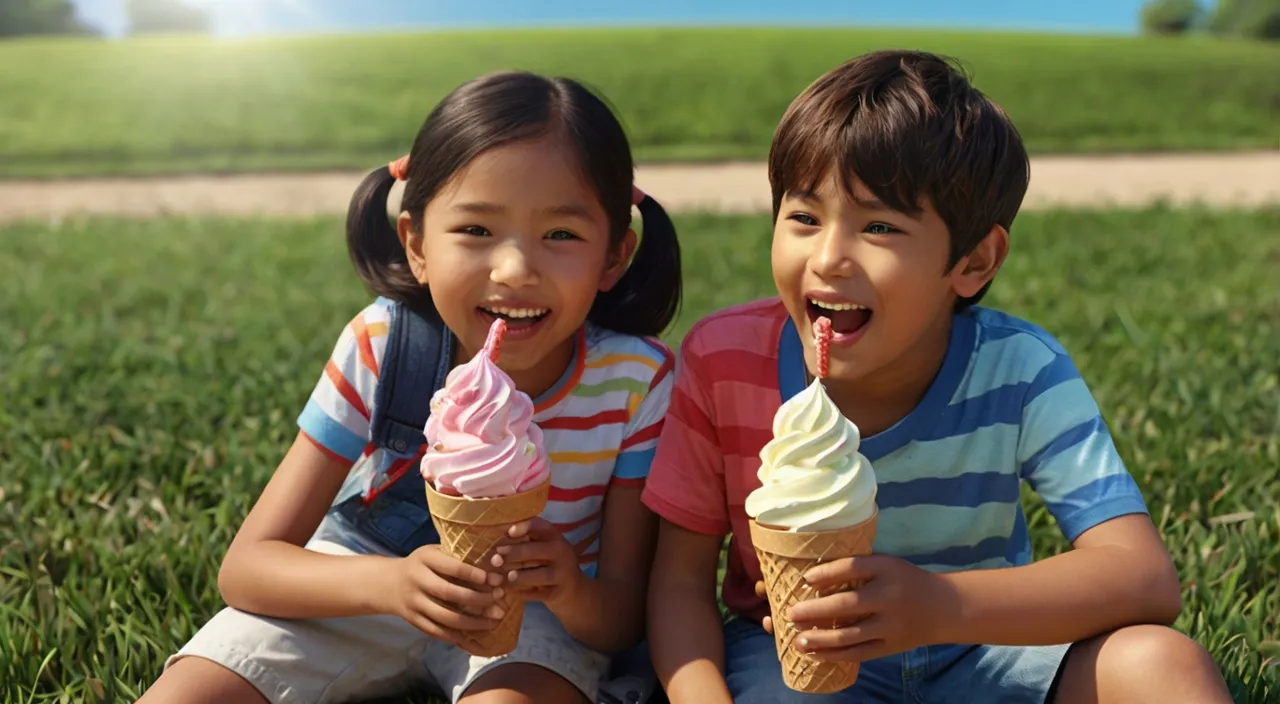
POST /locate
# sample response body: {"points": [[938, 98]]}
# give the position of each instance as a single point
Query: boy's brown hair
{"points": [[910, 126]]}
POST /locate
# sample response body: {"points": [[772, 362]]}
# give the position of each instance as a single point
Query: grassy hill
{"points": [[78, 107], [142, 424]]}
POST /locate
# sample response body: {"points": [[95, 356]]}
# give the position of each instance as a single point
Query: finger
{"points": [[760, 591], [441, 589], [448, 618], [448, 566], [533, 594], [823, 639], [870, 650], [768, 625], [842, 571], [534, 552], [844, 607], [432, 629], [537, 527], [519, 530], [532, 578]]}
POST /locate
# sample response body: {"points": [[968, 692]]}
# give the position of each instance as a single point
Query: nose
{"points": [[512, 267], [832, 256]]}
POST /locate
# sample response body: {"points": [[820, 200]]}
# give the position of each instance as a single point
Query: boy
{"points": [[894, 185]]}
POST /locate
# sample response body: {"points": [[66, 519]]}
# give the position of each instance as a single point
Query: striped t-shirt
{"points": [[1006, 406], [600, 421]]}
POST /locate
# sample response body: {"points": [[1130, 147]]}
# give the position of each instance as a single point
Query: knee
{"points": [[1141, 664], [1152, 653], [1137, 648], [521, 683]]}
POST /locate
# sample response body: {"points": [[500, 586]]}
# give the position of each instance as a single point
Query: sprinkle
{"points": [[494, 343], [822, 335]]}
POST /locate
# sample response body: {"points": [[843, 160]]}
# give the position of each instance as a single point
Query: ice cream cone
{"points": [[469, 530], [785, 556]]}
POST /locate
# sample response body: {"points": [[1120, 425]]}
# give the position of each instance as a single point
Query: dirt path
{"points": [[1244, 179]]}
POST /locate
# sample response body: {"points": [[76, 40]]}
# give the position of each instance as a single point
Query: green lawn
{"points": [[75, 107], [151, 371]]}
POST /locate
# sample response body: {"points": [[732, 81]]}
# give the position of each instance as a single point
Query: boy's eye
{"points": [[881, 228], [475, 230], [804, 219], [561, 235]]}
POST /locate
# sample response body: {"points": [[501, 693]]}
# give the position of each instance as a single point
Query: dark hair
{"points": [[499, 109], [908, 124]]}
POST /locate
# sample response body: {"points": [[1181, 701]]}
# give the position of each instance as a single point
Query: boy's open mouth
{"points": [[518, 319], [846, 318]]}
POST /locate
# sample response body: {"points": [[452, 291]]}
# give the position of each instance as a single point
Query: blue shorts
{"points": [[944, 674]]}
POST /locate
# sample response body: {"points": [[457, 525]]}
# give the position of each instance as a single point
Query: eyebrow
{"points": [[485, 208], [869, 203], [865, 203]]}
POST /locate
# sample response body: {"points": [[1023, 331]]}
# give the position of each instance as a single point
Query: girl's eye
{"points": [[561, 235], [881, 228], [804, 219], [475, 230]]}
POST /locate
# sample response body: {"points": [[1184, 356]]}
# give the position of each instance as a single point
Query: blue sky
{"points": [[250, 17]]}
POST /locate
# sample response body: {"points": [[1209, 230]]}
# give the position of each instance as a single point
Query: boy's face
{"points": [[880, 275]]}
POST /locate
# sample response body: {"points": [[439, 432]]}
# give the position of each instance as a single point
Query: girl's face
{"points": [[517, 234]]}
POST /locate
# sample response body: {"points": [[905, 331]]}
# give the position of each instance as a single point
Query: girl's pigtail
{"points": [[374, 245], [647, 297]]}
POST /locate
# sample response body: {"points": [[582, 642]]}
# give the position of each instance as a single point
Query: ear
{"points": [[977, 269], [412, 243], [619, 260]]}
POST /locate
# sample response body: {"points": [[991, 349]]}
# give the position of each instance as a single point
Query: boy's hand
{"points": [[896, 610], [542, 565], [443, 596]]}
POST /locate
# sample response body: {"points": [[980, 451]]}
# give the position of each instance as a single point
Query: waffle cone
{"points": [[784, 558], [469, 530]]}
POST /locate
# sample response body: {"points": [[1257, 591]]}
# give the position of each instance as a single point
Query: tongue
{"points": [[844, 322]]}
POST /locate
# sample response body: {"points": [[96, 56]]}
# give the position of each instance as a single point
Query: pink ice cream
{"points": [[482, 441]]}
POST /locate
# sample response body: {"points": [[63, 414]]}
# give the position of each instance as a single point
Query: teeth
{"points": [[837, 306], [517, 312]]}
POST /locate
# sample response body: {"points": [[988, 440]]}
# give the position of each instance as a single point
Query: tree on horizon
{"points": [[41, 17]]}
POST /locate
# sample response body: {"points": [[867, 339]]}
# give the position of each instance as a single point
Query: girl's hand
{"points": [[443, 596], [542, 565]]}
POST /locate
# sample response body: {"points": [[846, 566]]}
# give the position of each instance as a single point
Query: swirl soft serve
{"points": [[483, 441], [812, 476]]}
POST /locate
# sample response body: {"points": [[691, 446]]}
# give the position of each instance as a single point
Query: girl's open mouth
{"points": [[848, 320], [521, 322]]}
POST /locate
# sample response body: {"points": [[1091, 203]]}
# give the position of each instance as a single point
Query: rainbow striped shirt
{"points": [[1007, 407], [600, 421]]}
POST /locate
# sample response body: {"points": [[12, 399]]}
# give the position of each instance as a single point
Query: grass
{"points": [[151, 372], [84, 107]]}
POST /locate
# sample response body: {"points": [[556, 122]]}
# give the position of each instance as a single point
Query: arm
{"points": [[1119, 574], [266, 571], [686, 489], [607, 613], [686, 632]]}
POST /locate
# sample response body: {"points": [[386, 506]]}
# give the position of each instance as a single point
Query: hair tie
{"points": [[637, 195], [399, 168]]}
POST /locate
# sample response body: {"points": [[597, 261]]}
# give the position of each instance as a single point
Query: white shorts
{"points": [[363, 657]]}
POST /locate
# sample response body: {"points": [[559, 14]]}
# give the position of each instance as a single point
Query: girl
{"points": [[517, 204]]}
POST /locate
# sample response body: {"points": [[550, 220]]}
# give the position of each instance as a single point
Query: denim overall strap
{"points": [[418, 357]]}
